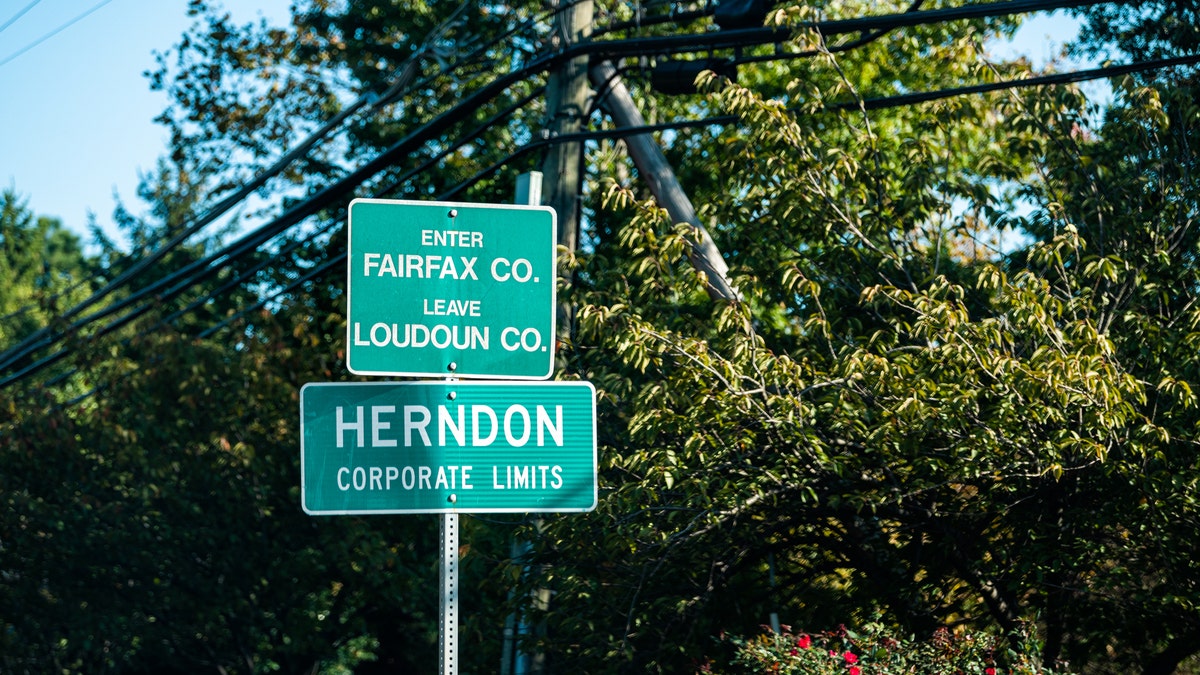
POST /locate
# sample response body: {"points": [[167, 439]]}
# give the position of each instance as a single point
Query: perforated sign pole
{"points": [[448, 628]]}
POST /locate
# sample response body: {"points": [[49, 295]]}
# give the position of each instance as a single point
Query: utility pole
{"points": [[559, 186], [566, 107], [653, 166], [513, 661]]}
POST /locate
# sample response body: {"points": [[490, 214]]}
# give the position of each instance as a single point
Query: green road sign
{"points": [[447, 447], [436, 289]]}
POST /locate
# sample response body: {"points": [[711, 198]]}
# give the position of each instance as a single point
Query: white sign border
{"points": [[452, 509], [553, 334]]}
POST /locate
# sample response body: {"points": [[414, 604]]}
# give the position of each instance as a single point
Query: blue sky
{"points": [[76, 112]]}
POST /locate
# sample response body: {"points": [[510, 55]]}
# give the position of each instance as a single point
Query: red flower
{"points": [[854, 670], [989, 671], [850, 657], [804, 642]]}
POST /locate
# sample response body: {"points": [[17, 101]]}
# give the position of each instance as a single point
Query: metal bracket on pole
{"points": [[448, 628], [529, 188]]}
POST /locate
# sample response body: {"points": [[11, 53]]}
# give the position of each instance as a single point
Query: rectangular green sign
{"points": [[447, 447], [437, 289]]}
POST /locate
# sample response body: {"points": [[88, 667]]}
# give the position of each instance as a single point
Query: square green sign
{"points": [[447, 447], [437, 289]]}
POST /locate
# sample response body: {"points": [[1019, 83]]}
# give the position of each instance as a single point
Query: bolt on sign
{"points": [[447, 447], [437, 289]]}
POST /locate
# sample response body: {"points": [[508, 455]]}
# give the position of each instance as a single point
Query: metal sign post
{"points": [[448, 626]]}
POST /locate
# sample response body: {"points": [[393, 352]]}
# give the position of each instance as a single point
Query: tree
{"points": [[43, 265], [903, 423], [890, 430]]}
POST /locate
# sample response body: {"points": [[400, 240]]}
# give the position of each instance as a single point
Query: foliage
{"points": [[43, 266], [888, 427], [874, 650], [1148, 30], [958, 391]]}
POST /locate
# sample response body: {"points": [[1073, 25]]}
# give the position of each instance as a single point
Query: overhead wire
{"points": [[404, 75], [316, 201], [52, 33], [742, 37], [369, 169], [869, 104], [20, 13], [245, 275], [865, 39], [369, 100], [43, 338], [462, 140], [611, 48], [231, 284], [202, 269]]}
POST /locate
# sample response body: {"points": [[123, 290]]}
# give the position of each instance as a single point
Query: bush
{"points": [[873, 651]]}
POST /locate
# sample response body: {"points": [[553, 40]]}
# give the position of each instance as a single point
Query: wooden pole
{"points": [[653, 166]]}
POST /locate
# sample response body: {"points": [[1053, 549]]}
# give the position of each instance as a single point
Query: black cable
{"points": [[320, 199], [745, 37], [43, 338], [1041, 80], [242, 277], [735, 38], [31, 306], [404, 76], [869, 104], [865, 39], [461, 141], [262, 302], [370, 100], [674, 18], [245, 275], [881, 103]]}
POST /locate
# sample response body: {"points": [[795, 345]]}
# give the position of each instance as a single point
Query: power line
{"points": [[370, 100], [173, 285], [20, 13], [324, 197], [163, 289], [868, 104], [52, 33], [745, 37], [1039, 81], [703, 41]]}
